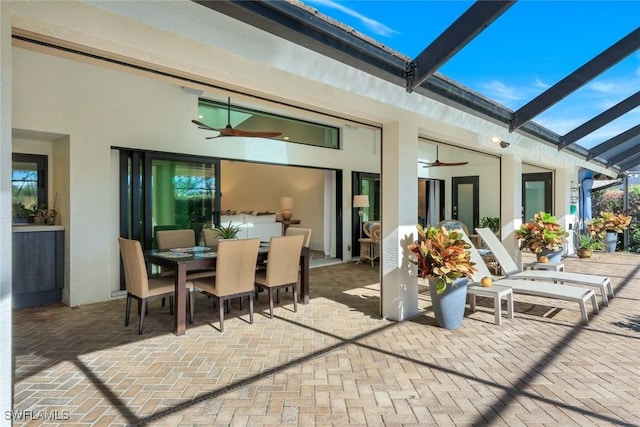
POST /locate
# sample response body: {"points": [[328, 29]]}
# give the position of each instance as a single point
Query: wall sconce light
{"points": [[497, 140], [286, 204]]}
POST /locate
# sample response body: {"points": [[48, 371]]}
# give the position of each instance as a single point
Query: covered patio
{"points": [[336, 362]]}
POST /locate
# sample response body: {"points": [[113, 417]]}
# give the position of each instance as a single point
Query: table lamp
{"points": [[360, 201], [286, 204]]}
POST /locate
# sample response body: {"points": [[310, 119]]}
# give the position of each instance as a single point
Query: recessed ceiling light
{"points": [[200, 116], [286, 138], [495, 139]]}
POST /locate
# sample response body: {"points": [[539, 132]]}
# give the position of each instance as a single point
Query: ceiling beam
{"points": [[600, 120], [624, 155], [630, 163], [618, 51], [471, 23], [614, 142]]}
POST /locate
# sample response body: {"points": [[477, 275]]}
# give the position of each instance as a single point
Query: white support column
{"points": [[564, 176], [511, 203], [399, 293], [6, 374]]}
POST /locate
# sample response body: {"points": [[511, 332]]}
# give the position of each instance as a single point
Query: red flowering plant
{"points": [[443, 255]]}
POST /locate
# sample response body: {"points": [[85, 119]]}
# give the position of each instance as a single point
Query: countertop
{"points": [[30, 228]]}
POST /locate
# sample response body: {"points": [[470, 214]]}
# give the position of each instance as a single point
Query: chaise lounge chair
{"points": [[537, 288], [512, 271]]}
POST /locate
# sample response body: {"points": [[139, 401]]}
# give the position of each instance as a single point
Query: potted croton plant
{"points": [[544, 236], [444, 259], [607, 226]]}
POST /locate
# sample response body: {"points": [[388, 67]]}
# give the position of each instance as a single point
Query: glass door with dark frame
{"points": [[182, 195], [364, 184], [536, 194], [163, 191], [465, 206]]}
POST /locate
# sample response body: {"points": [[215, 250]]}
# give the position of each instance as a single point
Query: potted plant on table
{"points": [[607, 226], [227, 231], [587, 244], [544, 236], [443, 257]]}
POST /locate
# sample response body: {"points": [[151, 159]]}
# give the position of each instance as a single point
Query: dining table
{"points": [[183, 260]]}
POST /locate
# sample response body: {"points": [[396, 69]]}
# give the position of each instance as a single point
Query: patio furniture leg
{"points": [[221, 305], [127, 312], [295, 299], [510, 305], [610, 287], [250, 309], [192, 303], [270, 303], [497, 303], [143, 309], [594, 302]]}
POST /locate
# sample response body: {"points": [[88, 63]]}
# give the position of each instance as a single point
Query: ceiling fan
{"points": [[230, 131], [439, 163]]}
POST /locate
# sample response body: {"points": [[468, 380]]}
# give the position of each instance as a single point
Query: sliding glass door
{"points": [[536, 194], [182, 195], [162, 191], [364, 184]]}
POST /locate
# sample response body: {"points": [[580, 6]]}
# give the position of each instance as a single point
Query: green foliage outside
{"points": [[611, 200]]}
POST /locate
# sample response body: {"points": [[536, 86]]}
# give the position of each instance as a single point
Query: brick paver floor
{"points": [[336, 362]]}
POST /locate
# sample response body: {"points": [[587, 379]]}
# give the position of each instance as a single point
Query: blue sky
{"points": [[532, 46]]}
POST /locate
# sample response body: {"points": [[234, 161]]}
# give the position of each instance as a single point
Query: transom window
{"points": [[217, 115]]}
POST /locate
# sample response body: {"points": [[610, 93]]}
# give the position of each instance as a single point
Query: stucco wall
{"points": [[101, 108]]}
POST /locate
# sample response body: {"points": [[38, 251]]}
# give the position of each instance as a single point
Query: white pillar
{"points": [[564, 176], [511, 203], [6, 374], [399, 293]]}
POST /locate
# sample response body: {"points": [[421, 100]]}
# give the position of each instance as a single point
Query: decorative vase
{"points": [[611, 241], [449, 306], [553, 256]]}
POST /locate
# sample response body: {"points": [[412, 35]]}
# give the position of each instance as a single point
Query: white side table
{"points": [[496, 292], [536, 265]]}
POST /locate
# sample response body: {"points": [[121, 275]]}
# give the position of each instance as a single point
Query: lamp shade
{"points": [[361, 201], [286, 202]]}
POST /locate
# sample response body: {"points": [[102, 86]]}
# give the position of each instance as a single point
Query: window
{"points": [[28, 185], [217, 115]]}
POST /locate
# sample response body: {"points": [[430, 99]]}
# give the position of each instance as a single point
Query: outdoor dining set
{"points": [[223, 270]]}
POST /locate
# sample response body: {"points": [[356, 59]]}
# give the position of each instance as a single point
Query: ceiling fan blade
{"points": [[246, 133], [203, 126], [438, 163], [230, 131]]}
